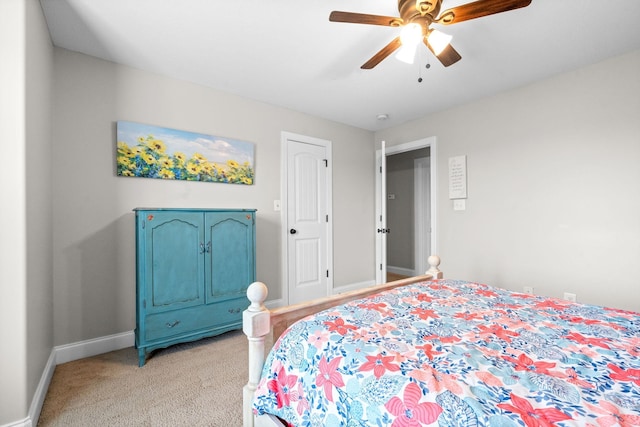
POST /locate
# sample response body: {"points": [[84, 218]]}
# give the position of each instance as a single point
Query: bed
{"points": [[431, 351]]}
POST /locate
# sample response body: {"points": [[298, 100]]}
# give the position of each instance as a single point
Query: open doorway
{"points": [[405, 208], [408, 213]]}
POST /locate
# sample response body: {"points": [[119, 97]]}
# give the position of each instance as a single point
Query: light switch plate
{"points": [[459, 204]]}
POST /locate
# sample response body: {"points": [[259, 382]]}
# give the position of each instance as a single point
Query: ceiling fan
{"points": [[416, 17]]}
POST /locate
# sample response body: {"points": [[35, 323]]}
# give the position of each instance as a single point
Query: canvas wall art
{"points": [[156, 152]]}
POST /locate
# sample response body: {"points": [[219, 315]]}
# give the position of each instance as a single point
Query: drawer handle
{"points": [[172, 324], [234, 310]]}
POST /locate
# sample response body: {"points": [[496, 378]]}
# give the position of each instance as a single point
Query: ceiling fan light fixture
{"points": [[411, 34], [425, 6], [406, 54], [438, 41], [425, 13], [410, 37]]}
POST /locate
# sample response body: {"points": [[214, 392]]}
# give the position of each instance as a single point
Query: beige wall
{"points": [[13, 370], [93, 241], [26, 309], [553, 185], [38, 168]]}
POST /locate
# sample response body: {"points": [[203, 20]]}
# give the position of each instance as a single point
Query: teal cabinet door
{"points": [[193, 267], [174, 267], [230, 263]]}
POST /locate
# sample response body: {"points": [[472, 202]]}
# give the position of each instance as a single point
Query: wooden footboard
{"points": [[264, 326]]}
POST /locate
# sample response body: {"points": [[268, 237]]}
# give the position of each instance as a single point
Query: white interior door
{"points": [[422, 215], [381, 220], [381, 215], [308, 244]]}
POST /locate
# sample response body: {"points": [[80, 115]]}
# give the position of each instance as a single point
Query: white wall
{"points": [[553, 183], [13, 370], [38, 166], [93, 240], [26, 309]]}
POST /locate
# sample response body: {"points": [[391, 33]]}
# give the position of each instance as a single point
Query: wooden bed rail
{"points": [[259, 324]]}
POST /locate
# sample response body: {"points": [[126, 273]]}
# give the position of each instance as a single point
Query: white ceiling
{"points": [[287, 53]]}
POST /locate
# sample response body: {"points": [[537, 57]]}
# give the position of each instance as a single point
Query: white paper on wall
{"points": [[458, 177]]}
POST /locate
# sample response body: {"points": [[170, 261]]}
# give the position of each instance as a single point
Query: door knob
{"points": [[293, 231]]}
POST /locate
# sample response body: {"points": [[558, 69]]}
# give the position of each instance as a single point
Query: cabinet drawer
{"points": [[195, 319], [230, 311]]}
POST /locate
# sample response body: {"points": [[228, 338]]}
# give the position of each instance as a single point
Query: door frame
{"points": [[284, 204], [430, 142], [421, 204]]}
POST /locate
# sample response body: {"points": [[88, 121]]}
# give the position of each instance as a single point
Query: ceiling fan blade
{"points": [[382, 54], [448, 56], [361, 18], [478, 9]]}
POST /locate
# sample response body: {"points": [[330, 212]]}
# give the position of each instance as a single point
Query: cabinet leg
{"points": [[142, 357]]}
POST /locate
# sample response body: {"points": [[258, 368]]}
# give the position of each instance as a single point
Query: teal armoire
{"points": [[193, 267]]}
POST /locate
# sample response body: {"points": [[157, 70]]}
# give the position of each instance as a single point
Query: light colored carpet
{"points": [[192, 384]]}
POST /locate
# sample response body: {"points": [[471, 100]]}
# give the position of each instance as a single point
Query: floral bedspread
{"points": [[454, 353]]}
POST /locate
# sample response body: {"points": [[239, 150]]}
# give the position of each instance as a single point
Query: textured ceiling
{"points": [[287, 53]]}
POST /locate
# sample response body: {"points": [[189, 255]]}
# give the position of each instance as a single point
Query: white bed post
{"points": [[256, 325], [434, 271]]}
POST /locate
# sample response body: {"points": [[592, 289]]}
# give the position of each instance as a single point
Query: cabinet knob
{"points": [[293, 231]]}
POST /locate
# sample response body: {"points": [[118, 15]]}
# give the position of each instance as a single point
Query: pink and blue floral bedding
{"points": [[455, 353]]}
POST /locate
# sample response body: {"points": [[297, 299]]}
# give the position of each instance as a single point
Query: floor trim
{"points": [[68, 353], [93, 347]]}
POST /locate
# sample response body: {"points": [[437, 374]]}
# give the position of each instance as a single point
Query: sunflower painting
{"points": [[156, 152]]}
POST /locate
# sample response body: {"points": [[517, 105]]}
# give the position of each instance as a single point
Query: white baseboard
{"points": [[68, 353], [80, 350], [38, 396], [41, 391], [353, 287], [274, 303], [21, 423]]}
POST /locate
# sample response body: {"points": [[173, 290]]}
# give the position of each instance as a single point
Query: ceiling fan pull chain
{"points": [[427, 66]]}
